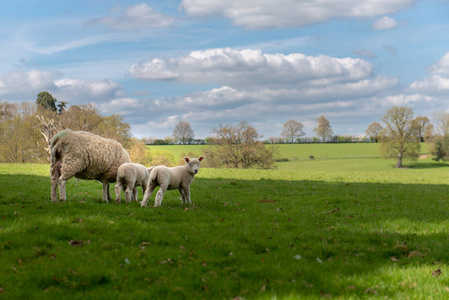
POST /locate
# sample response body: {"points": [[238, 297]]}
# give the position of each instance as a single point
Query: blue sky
{"points": [[212, 62]]}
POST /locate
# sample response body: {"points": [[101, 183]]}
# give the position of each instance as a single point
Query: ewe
{"points": [[86, 156], [129, 177], [172, 178]]}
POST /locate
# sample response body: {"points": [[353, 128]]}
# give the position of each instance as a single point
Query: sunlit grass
{"points": [[340, 228]]}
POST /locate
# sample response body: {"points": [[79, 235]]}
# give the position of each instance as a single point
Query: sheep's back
{"points": [[92, 156]]}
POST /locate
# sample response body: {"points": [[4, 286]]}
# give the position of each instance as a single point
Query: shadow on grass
{"points": [[241, 238], [428, 165]]}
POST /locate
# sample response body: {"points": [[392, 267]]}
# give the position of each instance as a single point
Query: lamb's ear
{"points": [[200, 158], [187, 159]]}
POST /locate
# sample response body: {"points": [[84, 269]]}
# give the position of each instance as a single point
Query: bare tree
{"points": [[400, 138], [293, 129], [441, 120], [183, 132], [374, 130], [19, 135], [238, 147], [323, 129]]}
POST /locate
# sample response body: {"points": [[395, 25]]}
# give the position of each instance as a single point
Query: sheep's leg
{"points": [[187, 194], [135, 194], [128, 193], [183, 195], [147, 194], [106, 195], [62, 193], [54, 186], [118, 190], [160, 195]]}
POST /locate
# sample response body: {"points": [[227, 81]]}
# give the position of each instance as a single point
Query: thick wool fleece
{"points": [[84, 155]]}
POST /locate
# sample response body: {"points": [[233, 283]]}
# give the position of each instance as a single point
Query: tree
{"points": [[183, 132], [47, 101], [19, 133], [61, 106], [441, 119], [238, 147], [421, 123], [374, 130], [323, 129], [293, 129], [400, 138]]}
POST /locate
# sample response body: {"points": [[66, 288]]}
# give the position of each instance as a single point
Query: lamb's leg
{"points": [[135, 193], [160, 195], [183, 195], [187, 194], [147, 194], [118, 190], [128, 193], [106, 195]]}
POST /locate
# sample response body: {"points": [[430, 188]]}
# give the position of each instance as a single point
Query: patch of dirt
{"points": [[423, 156]]}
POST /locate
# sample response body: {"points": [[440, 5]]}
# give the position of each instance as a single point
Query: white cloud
{"points": [[251, 67], [401, 100], [441, 67], [134, 17], [20, 85], [264, 14], [81, 91], [385, 23], [437, 82], [25, 84]]}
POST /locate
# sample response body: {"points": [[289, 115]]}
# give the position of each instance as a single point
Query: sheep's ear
{"points": [[186, 159], [200, 158]]}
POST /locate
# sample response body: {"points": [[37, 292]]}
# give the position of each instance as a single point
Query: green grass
{"points": [[344, 228], [298, 151]]}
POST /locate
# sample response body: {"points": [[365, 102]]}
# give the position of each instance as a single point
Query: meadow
{"points": [[346, 225]]}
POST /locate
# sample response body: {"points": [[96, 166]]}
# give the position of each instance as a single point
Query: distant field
{"points": [[350, 228], [299, 151]]}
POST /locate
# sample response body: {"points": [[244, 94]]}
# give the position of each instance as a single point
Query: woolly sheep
{"points": [[129, 177], [84, 155], [172, 178]]}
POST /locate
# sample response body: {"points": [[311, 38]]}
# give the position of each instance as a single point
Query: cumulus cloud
{"points": [[385, 23], [401, 100], [252, 67], [264, 14], [255, 86], [134, 17], [25, 85], [438, 81]]}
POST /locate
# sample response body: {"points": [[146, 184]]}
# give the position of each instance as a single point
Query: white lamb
{"points": [[84, 155], [129, 177], [172, 178]]}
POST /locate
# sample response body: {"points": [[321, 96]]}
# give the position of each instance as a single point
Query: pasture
{"points": [[345, 226]]}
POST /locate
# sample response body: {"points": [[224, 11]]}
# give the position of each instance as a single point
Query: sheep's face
{"points": [[193, 164]]}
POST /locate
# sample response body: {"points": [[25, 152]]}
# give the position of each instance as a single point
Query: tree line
{"points": [[26, 130]]}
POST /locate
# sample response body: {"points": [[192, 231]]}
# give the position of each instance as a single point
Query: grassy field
{"points": [[343, 228], [297, 151]]}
